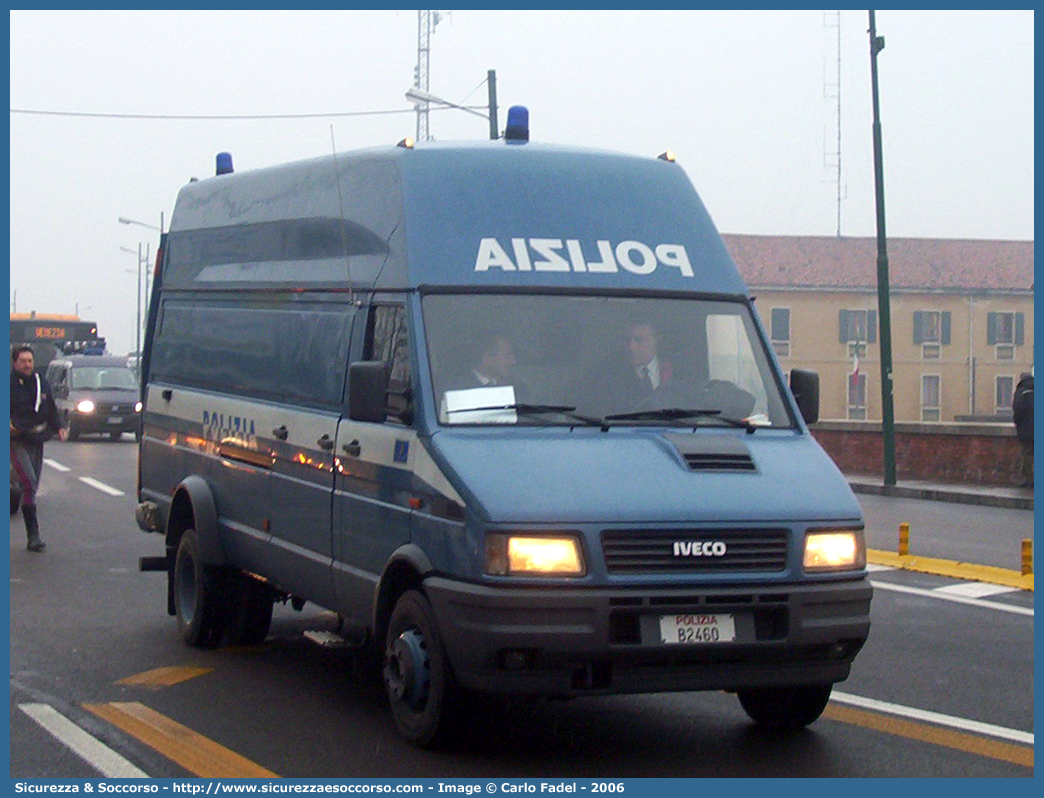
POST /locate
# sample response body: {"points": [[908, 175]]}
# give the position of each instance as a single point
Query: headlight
{"points": [[137, 407], [834, 551], [86, 406], [533, 555]]}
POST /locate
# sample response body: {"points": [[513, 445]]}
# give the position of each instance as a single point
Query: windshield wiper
{"points": [[526, 409], [680, 414]]}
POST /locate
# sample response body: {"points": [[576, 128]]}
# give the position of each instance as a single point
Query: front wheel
{"points": [[785, 707], [200, 595], [416, 673]]}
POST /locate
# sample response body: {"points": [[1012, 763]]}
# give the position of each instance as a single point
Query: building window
{"points": [[857, 396], [858, 326], [1002, 401], [930, 389], [779, 331], [931, 329], [1005, 331]]}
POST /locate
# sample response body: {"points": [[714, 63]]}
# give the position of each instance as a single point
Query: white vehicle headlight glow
{"points": [[86, 406], [137, 407], [533, 555], [834, 551]]}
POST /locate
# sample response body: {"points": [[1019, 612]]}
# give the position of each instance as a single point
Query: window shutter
{"points": [[945, 327], [991, 329], [918, 330], [843, 326], [1020, 328], [871, 326], [780, 324]]}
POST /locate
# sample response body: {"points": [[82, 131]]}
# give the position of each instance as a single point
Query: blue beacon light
{"points": [[517, 129], [224, 163]]}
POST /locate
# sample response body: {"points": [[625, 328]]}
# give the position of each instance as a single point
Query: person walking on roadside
{"points": [[1022, 411], [34, 419]]}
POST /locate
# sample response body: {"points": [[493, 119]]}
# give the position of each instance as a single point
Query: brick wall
{"points": [[970, 454]]}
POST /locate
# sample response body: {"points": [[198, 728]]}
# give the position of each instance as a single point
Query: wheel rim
{"points": [[406, 669]]}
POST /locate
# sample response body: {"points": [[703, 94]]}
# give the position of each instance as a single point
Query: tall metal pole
{"points": [[145, 302], [883, 304], [137, 327], [491, 82]]}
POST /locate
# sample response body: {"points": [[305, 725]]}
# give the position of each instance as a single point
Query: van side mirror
{"points": [[805, 387], [368, 391]]}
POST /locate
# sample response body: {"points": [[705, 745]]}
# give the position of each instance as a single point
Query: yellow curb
{"points": [[951, 568]]}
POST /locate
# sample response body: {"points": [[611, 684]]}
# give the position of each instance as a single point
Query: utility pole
{"points": [[491, 83], [877, 44], [426, 22]]}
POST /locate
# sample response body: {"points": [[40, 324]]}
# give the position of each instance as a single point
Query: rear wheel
{"points": [[416, 673], [115, 436], [200, 595], [785, 707]]}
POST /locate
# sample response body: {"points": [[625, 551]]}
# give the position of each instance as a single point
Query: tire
{"points": [[74, 434], [785, 707], [200, 596], [115, 436], [416, 673], [250, 611]]}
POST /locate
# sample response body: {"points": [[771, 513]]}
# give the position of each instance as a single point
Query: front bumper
{"points": [[101, 423], [581, 641]]}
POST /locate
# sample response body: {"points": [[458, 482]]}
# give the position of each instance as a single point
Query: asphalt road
{"points": [[88, 633]]}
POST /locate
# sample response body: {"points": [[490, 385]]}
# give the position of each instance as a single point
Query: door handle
{"points": [[352, 448], [281, 432], [325, 442]]}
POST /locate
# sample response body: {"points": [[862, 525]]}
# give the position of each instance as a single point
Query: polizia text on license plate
{"points": [[698, 628]]}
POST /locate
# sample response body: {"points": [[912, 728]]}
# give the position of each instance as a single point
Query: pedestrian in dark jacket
{"points": [[34, 419], [1022, 410]]}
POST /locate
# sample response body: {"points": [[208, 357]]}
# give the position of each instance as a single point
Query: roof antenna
{"points": [[344, 232]]}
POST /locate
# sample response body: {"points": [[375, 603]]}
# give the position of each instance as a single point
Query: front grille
{"points": [[114, 407], [638, 551]]}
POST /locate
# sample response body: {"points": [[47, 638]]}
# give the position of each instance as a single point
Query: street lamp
{"points": [[420, 97], [125, 220]]}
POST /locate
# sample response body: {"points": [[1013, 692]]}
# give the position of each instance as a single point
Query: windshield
{"points": [[547, 359], [103, 377]]}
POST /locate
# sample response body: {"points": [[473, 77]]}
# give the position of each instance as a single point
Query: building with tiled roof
{"points": [[961, 317]]}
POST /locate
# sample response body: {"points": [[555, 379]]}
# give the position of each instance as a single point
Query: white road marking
{"points": [[934, 717], [974, 602], [101, 486], [976, 589], [55, 465], [94, 752], [873, 567]]}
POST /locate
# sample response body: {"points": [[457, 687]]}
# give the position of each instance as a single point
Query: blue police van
{"points": [[506, 409]]}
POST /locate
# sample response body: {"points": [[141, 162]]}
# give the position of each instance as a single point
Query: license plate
{"points": [[698, 628], [115, 419]]}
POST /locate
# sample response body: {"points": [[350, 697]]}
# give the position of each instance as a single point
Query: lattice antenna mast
{"points": [[426, 22], [832, 91]]}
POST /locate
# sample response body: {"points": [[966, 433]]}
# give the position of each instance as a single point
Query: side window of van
{"points": [[388, 341]]}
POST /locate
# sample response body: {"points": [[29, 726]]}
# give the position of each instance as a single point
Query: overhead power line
{"points": [[35, 112]]}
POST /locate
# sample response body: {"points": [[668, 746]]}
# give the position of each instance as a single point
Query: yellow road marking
{"points": [[952, 568], [970, 743], [194, 752], [164, 677]]}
